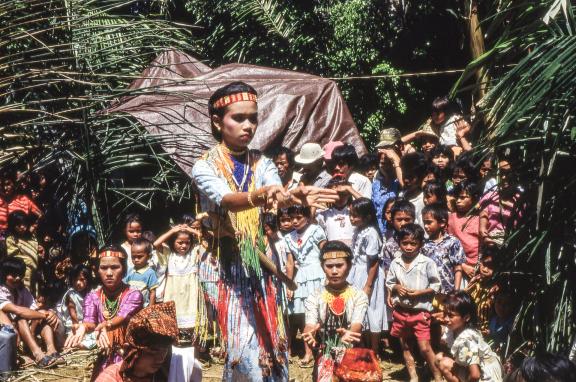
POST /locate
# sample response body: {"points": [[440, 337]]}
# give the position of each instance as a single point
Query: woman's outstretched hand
{"points": [[313, 196]]}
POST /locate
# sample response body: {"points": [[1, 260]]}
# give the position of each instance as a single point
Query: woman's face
{"points": [[110, 272], [441, 161], [150, 360], [182, 243], [336, 271], [238, 124]]}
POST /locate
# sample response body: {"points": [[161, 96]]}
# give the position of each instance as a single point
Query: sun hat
{"points": [[329, 148], [389, 137], [309, 153], [428, 130]]}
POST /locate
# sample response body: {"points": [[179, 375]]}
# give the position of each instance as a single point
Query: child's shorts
{"points": [[409, 323]]}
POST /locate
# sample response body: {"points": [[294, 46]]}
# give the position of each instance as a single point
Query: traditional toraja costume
{"points": [[333, 309], [248, 315], [99, 308]]}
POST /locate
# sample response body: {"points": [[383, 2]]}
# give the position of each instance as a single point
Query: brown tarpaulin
{"points": [[293, 108]]}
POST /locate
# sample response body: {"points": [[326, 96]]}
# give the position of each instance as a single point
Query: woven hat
{"points": [[329, 148], [309, 153], [389, 137], [427, 129]]}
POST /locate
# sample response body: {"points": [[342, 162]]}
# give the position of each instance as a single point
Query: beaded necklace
{"points": [[110, 307]]}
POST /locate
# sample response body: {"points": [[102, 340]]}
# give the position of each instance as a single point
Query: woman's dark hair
{"points": [[412, 230], [17, 218], [469, 187], [403, 205], [345, 153], [114, 248], [132, 218], [367, 161], [461, 303], [232, 88], [334, 246], [13, 266], [547, 367], [437, 188], [304, 210], [284, 151], [414, 165], [364, 208], [271, 221], [80, 269], [438, 211]]}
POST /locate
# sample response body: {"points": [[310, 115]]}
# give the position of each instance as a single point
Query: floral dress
{"points": [[306, 251], [469, 348]]}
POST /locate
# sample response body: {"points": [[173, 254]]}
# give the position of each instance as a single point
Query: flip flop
{"points": [[45, 363], [58, 359]]}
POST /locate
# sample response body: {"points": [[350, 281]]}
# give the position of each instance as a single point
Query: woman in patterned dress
{"points": [[234, 183]]}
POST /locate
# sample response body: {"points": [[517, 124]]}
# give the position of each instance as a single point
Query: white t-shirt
{"points": [[361, 184], [336, 224], [448, 131]]}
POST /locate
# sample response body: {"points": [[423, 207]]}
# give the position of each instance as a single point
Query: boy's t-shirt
{"points": [[447, 254], [144, 280]]}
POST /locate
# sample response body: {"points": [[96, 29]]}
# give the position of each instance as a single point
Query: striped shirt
{"points": [[420, 274], [19, 203]]}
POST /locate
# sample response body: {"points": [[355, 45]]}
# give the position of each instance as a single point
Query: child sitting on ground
{"points": [[304, 244], [142, 277], [471, 357], [21, 243], [18, 308], [413, 280], [71, 308]]}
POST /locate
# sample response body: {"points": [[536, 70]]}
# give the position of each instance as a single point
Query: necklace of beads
{"points": [[111, 307], [239, 185], [336, 300]]}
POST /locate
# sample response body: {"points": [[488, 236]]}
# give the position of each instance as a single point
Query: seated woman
{"points": [[19, 309], [335, 312], [148, 352], [108, 309]]}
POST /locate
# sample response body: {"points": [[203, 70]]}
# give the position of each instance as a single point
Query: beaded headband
{"points": [[232, 98], [109, 253], [335, 255]]}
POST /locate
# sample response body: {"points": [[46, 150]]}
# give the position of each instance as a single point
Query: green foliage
{"points": [[61, 63], [530, 110], [339, 38]]}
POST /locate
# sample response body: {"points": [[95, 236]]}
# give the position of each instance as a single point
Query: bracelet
{"points": [[250, 200]]}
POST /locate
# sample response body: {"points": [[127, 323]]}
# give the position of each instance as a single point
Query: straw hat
{"points": [[428, 130], [389, 137], [309, 153]]}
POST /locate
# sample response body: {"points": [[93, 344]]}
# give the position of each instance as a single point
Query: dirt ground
{"points": [[391, 371]]}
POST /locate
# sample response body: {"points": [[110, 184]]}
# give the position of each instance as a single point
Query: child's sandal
{"points": [[45, 363]]}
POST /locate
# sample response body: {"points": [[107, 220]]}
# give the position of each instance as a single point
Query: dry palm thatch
{"points": [[61, 62]]}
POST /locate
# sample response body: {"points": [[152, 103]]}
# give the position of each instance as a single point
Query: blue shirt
{"points": [[381, 192], [144, 280]]}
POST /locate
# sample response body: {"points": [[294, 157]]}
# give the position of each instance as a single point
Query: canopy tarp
{"points": [[170, 101]]}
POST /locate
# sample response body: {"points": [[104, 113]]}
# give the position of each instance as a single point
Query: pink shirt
{"points": [[498, 215], [466, 229]]}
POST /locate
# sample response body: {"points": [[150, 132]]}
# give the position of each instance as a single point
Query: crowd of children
{"points": [[419, 223]]}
